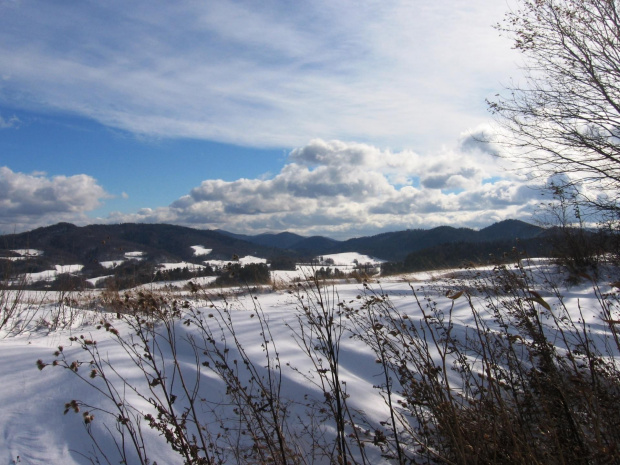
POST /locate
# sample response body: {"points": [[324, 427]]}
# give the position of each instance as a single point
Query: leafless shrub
{"points": [[318, 332], [528, 384], [525, 380], [18, 307]]}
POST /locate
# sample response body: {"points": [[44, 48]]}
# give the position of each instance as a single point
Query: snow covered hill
{"points": [[228, 347]]}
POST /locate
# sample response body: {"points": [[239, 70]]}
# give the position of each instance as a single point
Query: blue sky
{"points": [[337, 118]]}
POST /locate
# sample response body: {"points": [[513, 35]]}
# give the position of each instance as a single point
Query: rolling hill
{"points": [[66, 243]]}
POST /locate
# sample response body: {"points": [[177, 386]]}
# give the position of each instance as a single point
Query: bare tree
{"points": [[565, 117]]}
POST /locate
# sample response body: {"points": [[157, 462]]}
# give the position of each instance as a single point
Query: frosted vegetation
{"points": [[504, 364]]}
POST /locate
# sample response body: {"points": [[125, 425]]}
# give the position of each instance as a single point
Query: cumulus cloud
{"points": [[29, 200], [345, 189], [481, 139], [335, 188]]}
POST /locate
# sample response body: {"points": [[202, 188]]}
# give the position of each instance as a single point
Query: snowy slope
{"points": [[32, 401], [200, 250], [351, 258]]}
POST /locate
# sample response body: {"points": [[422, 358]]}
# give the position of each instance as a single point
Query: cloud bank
{"points": [[271, 74], [344, 189], [31, 200]]}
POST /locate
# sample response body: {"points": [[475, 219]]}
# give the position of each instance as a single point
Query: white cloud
{"points": [[346, 189], [12, 122], [259, 73], [29, 200], [481, 139]]}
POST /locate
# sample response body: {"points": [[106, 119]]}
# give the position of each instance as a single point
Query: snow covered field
{"points": [[28, 252], [51, 275], [179, 265], [24, 254], [199, 250], [111, 263], [345, 262], [350, 258], [247, 260], [32, 401]]}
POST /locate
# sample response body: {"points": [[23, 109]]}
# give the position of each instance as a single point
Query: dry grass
{"points": [[527, 383]]}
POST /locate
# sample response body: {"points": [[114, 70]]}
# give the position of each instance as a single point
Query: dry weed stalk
{"points": [[525, 380]]}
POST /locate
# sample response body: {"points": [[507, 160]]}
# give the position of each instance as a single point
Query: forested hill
{"points": [[397, 245], [67, 243]]}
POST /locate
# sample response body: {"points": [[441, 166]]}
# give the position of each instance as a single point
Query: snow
{"points": [[351, 258], [199, 250], [51, 275], [32, 424], [137, 254], [32, 401], [287, 276], [28, 252], [247, 260], [68, 268], [302, 273], [111, 263], [346, 262], [94, 281], [24, 254], [177, 285], [180, 265]]}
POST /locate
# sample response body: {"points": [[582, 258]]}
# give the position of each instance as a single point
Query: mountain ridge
{"points": [[69, 243]]}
